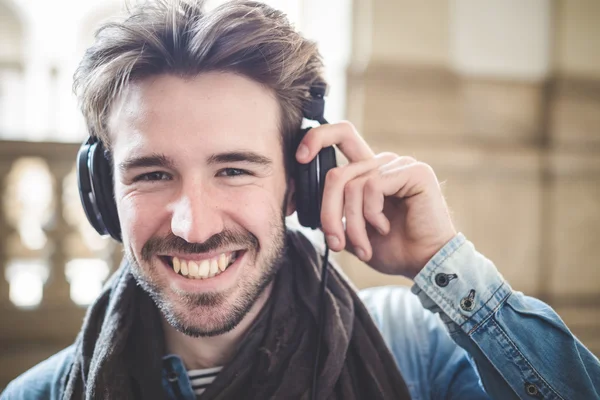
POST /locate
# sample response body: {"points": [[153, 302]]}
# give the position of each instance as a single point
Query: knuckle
{"points": [[352, 212], [388, 155], [425, 169], [335, 175], [313, 137], [347, 125], [370, 214], [372, 183], [353, 188]]}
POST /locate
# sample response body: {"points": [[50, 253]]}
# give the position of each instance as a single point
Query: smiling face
{"points": [[201, 192]]}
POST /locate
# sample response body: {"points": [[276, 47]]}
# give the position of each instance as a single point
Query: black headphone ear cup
{"points": [[102, 181], [86, 192], [94, 178], [310, 183], [306, 193], [327, 161]]}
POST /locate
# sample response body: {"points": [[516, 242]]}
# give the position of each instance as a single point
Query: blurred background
{"points": [[501, 97]]}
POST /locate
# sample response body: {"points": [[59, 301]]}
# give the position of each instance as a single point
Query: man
{"points": [[217, 298]]}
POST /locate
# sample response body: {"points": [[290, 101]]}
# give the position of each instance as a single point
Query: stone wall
{"points": [[518, 151]]}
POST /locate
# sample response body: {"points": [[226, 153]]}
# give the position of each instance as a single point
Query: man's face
{"points": [[200, 188]]}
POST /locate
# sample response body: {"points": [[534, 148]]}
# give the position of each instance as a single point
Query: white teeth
{"points": [[193, 269], [184, 268], [222, 263], [204, 269], [214, 268]]}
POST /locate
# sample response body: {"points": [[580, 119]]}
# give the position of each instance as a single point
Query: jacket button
{"points": [[532, 390], [468, 302], [172, 377], [442, 280]]}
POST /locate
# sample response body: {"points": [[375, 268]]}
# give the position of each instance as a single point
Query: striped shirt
{"points": [[201, 378]]}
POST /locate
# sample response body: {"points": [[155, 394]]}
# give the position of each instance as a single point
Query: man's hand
{"points": [[396, 216]]}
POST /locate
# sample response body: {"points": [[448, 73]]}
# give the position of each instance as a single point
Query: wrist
{"points": [[431, 252]]}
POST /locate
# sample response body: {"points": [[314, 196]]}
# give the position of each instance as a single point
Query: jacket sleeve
{"points": [[43, 381], [433, 366], [521, 347]]}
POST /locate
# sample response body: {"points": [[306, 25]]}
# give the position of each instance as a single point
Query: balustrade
{"points": [[52, 262]]}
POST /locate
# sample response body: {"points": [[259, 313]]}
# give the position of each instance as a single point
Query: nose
{"points": [[196, 215]]}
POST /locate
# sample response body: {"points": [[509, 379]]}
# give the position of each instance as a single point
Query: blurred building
{"points": [[501, 97]]}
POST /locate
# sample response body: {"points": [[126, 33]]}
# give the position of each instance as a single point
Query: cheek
{"points": [[141, 218], [257, 210]]}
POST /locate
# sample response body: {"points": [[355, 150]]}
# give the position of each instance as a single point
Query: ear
{"points": [[290, 201]]}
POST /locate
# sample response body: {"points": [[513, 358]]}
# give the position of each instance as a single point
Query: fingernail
{"points": [[360, 253], [333, 241], [302, 152]]}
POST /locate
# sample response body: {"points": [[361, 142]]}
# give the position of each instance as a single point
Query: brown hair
{"points": [[180, 37]]}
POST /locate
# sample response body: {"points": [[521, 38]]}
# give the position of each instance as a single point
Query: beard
{"points": [[211, 313]]}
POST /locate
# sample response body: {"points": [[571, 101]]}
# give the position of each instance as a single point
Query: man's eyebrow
{"points": [[239, 156], [154, 160]]}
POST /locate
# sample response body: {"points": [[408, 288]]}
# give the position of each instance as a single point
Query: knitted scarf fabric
{"points": [[120, 348]]}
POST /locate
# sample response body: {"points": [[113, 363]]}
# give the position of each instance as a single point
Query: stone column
{"points": [[56, 290], [5, 231], [500, 51]]}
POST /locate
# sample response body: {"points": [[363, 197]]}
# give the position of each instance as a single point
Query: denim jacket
{"points": [[462, 333]]}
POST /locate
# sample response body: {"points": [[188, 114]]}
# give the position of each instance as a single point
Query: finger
{"points": [[342, 134], [399, 162], [373, 208], [333, 197], [356, 229], [374, 198], [406, 181]]}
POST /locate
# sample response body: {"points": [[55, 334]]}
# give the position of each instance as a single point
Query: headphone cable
{"points": [[324, 268]]}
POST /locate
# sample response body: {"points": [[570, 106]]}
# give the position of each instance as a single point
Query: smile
{"points": [[202, 268]]}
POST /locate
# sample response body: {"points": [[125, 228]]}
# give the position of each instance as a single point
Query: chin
{"points": [[212, 313], [205, 320]]}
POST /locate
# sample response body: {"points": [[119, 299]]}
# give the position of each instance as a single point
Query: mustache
{"points": [[172, 243]]}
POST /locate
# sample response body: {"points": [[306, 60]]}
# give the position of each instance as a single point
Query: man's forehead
{"points": [[209, 96], [210, 109]]}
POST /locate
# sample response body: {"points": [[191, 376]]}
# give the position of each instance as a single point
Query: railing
{"points": [[52, 263]]}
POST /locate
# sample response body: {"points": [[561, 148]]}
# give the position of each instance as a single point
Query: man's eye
{"points": [[152, 176], [232, 172]]}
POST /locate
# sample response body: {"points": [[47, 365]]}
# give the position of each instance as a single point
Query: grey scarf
{"points": [[120, 348]]}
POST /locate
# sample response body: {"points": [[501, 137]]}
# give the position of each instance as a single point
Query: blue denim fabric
{"points": [[502, 345], [176, 381], [521, 347]]}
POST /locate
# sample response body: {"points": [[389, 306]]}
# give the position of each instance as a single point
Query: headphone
{"points": [[96, 191]]}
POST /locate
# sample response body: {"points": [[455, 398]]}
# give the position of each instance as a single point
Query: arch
{"points": [[14, 40], [12, 34], [14, 8]]}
